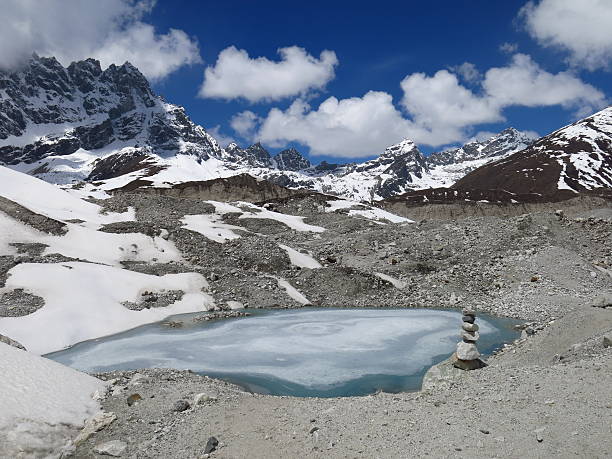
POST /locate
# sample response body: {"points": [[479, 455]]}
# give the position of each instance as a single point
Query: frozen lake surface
{"points": [[319, 352]]}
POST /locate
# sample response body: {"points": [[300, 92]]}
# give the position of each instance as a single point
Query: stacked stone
{"points": [[467, 356]]}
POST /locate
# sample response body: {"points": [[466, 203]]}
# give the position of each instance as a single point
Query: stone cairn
{"points": [[467, 356]]}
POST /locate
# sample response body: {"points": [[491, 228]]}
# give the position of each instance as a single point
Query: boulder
{"points": [[114, 448], [95, 424], [467, 351]]}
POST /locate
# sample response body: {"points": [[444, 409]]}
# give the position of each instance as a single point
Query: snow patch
{"points": [[43, 403], [211, 227], [83, 301], [300, 259], [292, 291], [395, 282]]}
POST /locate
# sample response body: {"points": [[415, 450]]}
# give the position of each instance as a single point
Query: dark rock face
{"points": [[122, 163], [291, 160], [575, 158], [83, 106]]}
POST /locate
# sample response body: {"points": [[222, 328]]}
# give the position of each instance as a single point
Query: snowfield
{"points": [[83, 301], [49, 200], [43, 404]]}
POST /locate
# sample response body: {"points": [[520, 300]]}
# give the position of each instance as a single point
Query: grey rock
{"points": [[181, 405], [470, 336], [114, 448], [467, 351], [469, 327], [211, 445], [11, 342], [95, 424], [202, 398], [468, 319], [607, 341]]}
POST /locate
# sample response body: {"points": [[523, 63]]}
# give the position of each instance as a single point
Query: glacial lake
{"points": [[309, 352]]}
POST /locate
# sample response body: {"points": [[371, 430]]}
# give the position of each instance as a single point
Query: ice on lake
{"points": [[306, 352]]}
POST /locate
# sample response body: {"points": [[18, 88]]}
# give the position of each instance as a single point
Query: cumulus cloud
{"points": [[437, 110], [582, 28], [444, 107], [236, 75], [245, 123], [525, 83], [467, 71], [112, 31], [355, 127]]}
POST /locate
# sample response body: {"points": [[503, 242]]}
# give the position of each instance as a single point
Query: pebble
{"points": [[468, 319], [211, 445], [181, 405], [133, 399], [202, 398], [114, 448]]}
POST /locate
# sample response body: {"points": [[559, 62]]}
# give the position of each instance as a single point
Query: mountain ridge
{"points": [[82, 123]]}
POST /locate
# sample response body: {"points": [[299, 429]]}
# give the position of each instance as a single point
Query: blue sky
{"points": [[550, 60]]}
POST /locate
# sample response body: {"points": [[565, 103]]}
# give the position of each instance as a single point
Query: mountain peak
{"points": [[291, 160]]}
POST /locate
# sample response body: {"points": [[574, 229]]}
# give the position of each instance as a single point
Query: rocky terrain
{"points": [[546, 395], [548, 266], [155, 219]]}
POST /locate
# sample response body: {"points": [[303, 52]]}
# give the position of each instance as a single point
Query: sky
{"points": [[341, 80]]}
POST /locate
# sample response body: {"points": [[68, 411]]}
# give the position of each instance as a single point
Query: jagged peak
{"points": [[404, 147]]}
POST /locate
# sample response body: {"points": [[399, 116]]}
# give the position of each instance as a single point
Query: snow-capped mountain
{"points": [[82, 123], [577, 157]]}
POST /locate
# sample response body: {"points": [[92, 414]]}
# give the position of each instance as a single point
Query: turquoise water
{"points": [[310, 352]]}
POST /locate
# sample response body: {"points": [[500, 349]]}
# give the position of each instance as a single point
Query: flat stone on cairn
{"points": [[467, 356]]}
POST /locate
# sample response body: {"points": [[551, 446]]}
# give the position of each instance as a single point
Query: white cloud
{"points": [[245, 123], [236, 75], [222, 139], [467, 71], [581, 27], [112, 31], [355, 127], [525, 83], [440, 110], [444, 108], [508, 48]]}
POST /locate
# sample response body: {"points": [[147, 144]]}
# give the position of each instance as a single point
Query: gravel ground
{"points": [[548, 395]]}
